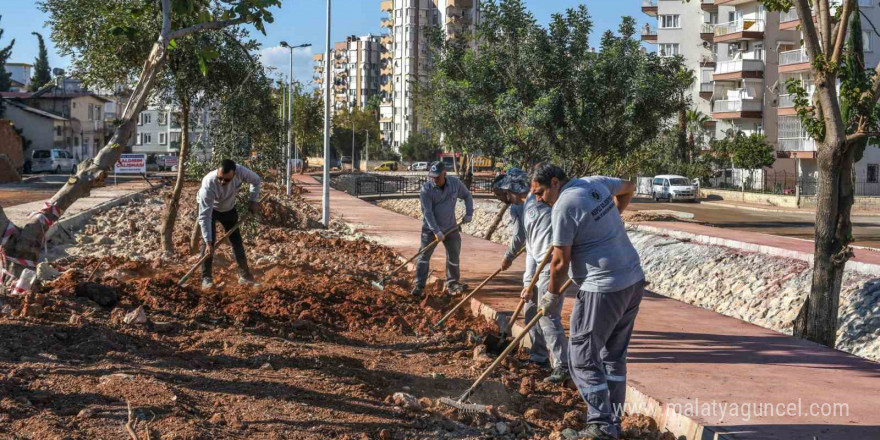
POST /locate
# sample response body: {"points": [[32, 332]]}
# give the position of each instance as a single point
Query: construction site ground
{"points": [[113, 343], [682, 354]]}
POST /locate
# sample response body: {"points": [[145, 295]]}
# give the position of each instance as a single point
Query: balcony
{"points": [[789, 19], [386, 6], [387, 23], [707, 60], [739, 30], [461, 4], [785, 105], [649, 34], [738, 69], [707, 32], [707, 89], [732, 2], [794, 61], [649, 7], [742, 108], [800, 147]]}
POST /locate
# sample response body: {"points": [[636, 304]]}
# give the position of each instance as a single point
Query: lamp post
{"points": [[290, 110], [325, 205]]}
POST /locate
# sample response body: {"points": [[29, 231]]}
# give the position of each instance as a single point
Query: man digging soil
{"points": [[216, 200]]}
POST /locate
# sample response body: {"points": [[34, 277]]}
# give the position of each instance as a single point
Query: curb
{"points": [[865, 268], [76, 221], [779, 210], [681, 426]]}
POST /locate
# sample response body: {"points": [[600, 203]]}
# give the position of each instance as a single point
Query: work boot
{"points": [[595, 432], [559, 375], [456, 289], [416, 292], [248, 281], [540, 364], [207, 283]]}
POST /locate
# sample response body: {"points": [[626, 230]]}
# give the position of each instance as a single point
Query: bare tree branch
{"points": [[859, 135], [166, 19], [841, 30], [824, 17], [211, 25]]}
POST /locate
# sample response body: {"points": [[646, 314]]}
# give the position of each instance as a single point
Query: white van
{"points": [[53, 161], [673, 188]]}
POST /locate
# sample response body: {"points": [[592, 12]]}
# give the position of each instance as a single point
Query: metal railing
{"points": [[731, 66], [707, 87], [707, 28], [736, 105], [786, 101], [744, 25], [789, 15], [780, 183], [797, 144], [649, 3], [790, 57], [382, 185], [649, 32]]}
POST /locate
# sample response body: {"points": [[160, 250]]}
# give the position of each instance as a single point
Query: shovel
{"points": [[471, 295], [461, 403], [380, 285], [219, 240]]}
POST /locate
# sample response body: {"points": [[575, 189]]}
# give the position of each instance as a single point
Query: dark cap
{"points": [[436, 169]]}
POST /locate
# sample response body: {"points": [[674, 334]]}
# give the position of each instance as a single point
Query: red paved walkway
{"points": [[685, 355]]}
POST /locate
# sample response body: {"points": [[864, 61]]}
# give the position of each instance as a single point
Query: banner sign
{"points": [[131, 164]]}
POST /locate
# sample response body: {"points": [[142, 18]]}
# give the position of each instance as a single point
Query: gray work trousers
{"points": [[548, 336], [601, 328], [452, 243]]}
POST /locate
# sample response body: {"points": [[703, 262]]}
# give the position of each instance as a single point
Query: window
{"points": [[147, 118], [139, 139], [57, 130], [669, 22], [873, 173], [162, 118], [75, 141], [91, 113], [147, 138], [866, 38], [163, 138], [41, 154], [668, 49]]}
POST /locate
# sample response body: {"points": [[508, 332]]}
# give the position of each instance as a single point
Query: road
{"points": [[866, 229], [36, 187]]}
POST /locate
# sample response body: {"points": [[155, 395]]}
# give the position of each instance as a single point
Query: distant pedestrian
{"points": [[438, 198], [216, 200], [590, 238]]}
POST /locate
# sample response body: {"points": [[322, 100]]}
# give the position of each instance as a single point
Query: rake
{"points": [[471, 295], [461, 403], [380, 285]]}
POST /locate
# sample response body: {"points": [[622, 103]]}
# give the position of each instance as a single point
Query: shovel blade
{"points": [[496, 344]]}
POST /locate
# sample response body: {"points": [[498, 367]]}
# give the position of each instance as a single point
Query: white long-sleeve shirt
{"points": [[213, 196]]}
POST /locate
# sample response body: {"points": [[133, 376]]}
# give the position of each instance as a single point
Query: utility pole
{"points": [[325, 205], [290, 113], [367, 161], [351, 116]]}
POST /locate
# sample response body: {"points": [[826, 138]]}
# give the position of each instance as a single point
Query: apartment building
{"points": [[355, 71], [20, 74], [406, 56], [743, 57], [158, 131]]}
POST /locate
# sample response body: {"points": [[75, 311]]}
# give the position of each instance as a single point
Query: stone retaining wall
{"points": [[756, 288]]}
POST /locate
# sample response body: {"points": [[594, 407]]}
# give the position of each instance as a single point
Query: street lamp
{"points": [[325, 205], [290, 109]]}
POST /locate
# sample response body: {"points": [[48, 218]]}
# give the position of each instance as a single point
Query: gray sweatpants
{"points": [[601, 327], [452, 243], [548, 337]]}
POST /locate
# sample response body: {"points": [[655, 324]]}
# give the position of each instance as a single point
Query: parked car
{"points": [[346, 159], [54, 160], [673, 188], [387, 166], [419, 166]]}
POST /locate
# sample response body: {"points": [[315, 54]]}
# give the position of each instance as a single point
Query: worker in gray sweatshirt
{"points": [[216, 200], [530, 226], [438, 198]]}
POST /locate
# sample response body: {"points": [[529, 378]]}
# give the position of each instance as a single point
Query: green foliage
{"points": [[359, 120], [308, 121], [42, 75], [5, 77], [420, 147], [744, 151], [532, 93], [857, 107]]}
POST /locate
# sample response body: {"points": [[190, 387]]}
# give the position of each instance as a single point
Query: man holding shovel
{"points": [[216, 200], [589, 236], [438, 198], [531, 227]]}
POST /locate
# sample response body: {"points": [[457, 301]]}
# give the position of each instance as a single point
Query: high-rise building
{"points": [[355, 71], [743, 57], [406, 56]]}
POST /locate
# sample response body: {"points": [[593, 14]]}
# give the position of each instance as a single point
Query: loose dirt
{"points": [[312, 353]]}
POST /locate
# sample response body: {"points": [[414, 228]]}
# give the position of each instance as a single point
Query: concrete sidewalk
{"points": [[100, 199], [689, 368]]}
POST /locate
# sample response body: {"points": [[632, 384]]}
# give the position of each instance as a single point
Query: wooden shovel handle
{"points": [[531, 286]]}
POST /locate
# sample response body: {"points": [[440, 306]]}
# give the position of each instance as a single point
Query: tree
{"points": [[696, 128], [5, 77], [42, 75], [308, 122], [420, 147], [346, 120], [840, 122], [105, 41]]}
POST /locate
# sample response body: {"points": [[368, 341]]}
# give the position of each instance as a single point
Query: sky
{"points": [[299, 22]]}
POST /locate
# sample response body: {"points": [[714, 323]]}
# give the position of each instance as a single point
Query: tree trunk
{"points": [[817, 319], [171, 211], [27, 241], [497, 221]]}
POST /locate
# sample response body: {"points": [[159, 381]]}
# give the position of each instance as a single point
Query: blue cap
{"points": [[515, 181], [437, 168]]}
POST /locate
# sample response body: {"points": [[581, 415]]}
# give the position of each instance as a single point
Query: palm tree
{"points": [[696, 125]]}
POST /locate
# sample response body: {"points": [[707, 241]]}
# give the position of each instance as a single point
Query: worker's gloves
{"points": [[549, 302], [467, 219], [254, 207], [440, 236]]}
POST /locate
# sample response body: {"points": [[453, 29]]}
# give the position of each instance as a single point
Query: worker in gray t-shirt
{"points": [[590, 240], [438, 198], [530, 227]]}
